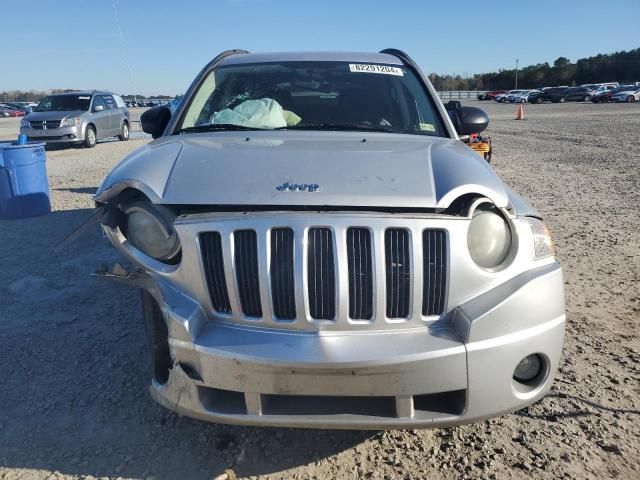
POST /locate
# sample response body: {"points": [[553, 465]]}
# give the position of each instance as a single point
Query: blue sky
{"points": [[75, 44]]}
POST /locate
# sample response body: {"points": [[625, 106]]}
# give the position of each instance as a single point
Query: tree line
{"points": [[613, 67]]}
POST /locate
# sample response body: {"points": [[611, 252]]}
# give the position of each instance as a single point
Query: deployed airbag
{"points": [[261, 113]]}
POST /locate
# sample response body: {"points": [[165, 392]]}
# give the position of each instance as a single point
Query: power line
{"points": [[126, 57]]}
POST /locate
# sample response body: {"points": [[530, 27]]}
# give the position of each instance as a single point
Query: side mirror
{"points": [[98, 108], [467, 120], [155, 120]]}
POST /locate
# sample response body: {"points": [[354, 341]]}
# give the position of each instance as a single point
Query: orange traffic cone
{"points": [[520, 112]]}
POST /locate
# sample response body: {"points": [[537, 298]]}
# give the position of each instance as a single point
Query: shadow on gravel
{"points": [[74, 394], [555, 416], [89, 190]]}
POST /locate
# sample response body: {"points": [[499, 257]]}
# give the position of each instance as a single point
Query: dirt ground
{"points": [[73, 387]]}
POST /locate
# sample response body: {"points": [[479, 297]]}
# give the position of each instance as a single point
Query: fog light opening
{"points": [[530, 369]]}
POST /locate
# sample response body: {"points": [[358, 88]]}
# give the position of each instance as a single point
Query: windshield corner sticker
{"points": [[369, 68], [427, 127]]}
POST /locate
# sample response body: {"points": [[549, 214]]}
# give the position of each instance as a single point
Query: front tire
{"points": [[563, 99], [124, 136], [90, 137], [631, 99], [587, 98]]}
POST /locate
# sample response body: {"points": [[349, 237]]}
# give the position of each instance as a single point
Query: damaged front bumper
{"points": [[457, 370]]}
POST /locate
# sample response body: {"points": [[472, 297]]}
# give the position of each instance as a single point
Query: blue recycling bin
{"points": [[24, 185]]}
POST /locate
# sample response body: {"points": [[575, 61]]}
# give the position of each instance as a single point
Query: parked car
{"points": [[600, 89], [23, 107], [574, 94], [605, 97], [312, 258], [503, 97], [4, 113], [12, 111], [522, 97], [78, 117], [627, 95], [552, 94], [490, 95]]}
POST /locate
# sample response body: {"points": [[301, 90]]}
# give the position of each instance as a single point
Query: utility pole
{"points": [[516, 87]]}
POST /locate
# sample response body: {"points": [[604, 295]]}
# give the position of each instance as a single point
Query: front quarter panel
{"points": [[152, 162]]}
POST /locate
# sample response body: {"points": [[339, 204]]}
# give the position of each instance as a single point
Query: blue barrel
{"points": [[24, 185]]}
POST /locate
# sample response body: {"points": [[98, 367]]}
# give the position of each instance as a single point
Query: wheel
{"points": [[631, 99], [90, 137], [563, 99], [124, 136], [587, 98]]}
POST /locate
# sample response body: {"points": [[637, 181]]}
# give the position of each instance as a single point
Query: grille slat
{"points": [[360, 279], [38, 124], [321, 274], [281, 272], [211, 248], [235, 266], [246, 266], [398, 272], [434, 255]]}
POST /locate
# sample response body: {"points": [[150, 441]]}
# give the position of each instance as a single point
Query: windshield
{"points": [[64, 103], [312, 95]]}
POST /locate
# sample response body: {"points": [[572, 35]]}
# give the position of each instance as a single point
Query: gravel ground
{"points": [[74, 402]]}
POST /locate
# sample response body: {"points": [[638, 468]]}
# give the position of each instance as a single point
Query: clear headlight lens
{"points": [[542, 243], [489, 237], [70, 122], [24, 123], [150, 229]]}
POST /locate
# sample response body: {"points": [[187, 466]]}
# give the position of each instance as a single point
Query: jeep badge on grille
{"points": [[298, 187]]}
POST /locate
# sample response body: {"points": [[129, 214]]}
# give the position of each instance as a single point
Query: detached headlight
{"points": [[24, 123], [488, 237], [70, 122], [542, 243], [150, 229]]}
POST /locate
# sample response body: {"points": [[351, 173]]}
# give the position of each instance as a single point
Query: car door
{"points": [[114, 123], [100, 117]]}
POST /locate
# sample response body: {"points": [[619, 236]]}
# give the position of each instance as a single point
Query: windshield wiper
{"points": [[339, 127], [215, 126]]}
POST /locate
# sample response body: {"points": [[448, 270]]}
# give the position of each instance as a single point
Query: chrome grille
{"points": [[211, 247], [360, 273], [40, 124], [398, 272], [434, 260], [281, 272], [321, 274], [245, 256], [295, 274]]}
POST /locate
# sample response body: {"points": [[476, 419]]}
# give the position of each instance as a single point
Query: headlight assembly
{"points": [[150, 229], [489, 236], [542, 243], [70, 122]]}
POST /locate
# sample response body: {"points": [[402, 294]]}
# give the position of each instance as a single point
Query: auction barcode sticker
{"points": [[368, 68]]}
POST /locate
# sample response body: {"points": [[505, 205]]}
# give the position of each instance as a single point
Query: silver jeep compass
{"points": [[78, 117], [316, 247]]}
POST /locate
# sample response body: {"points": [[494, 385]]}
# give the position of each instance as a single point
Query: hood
{"points": [[39, 116], [349, 169]]}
